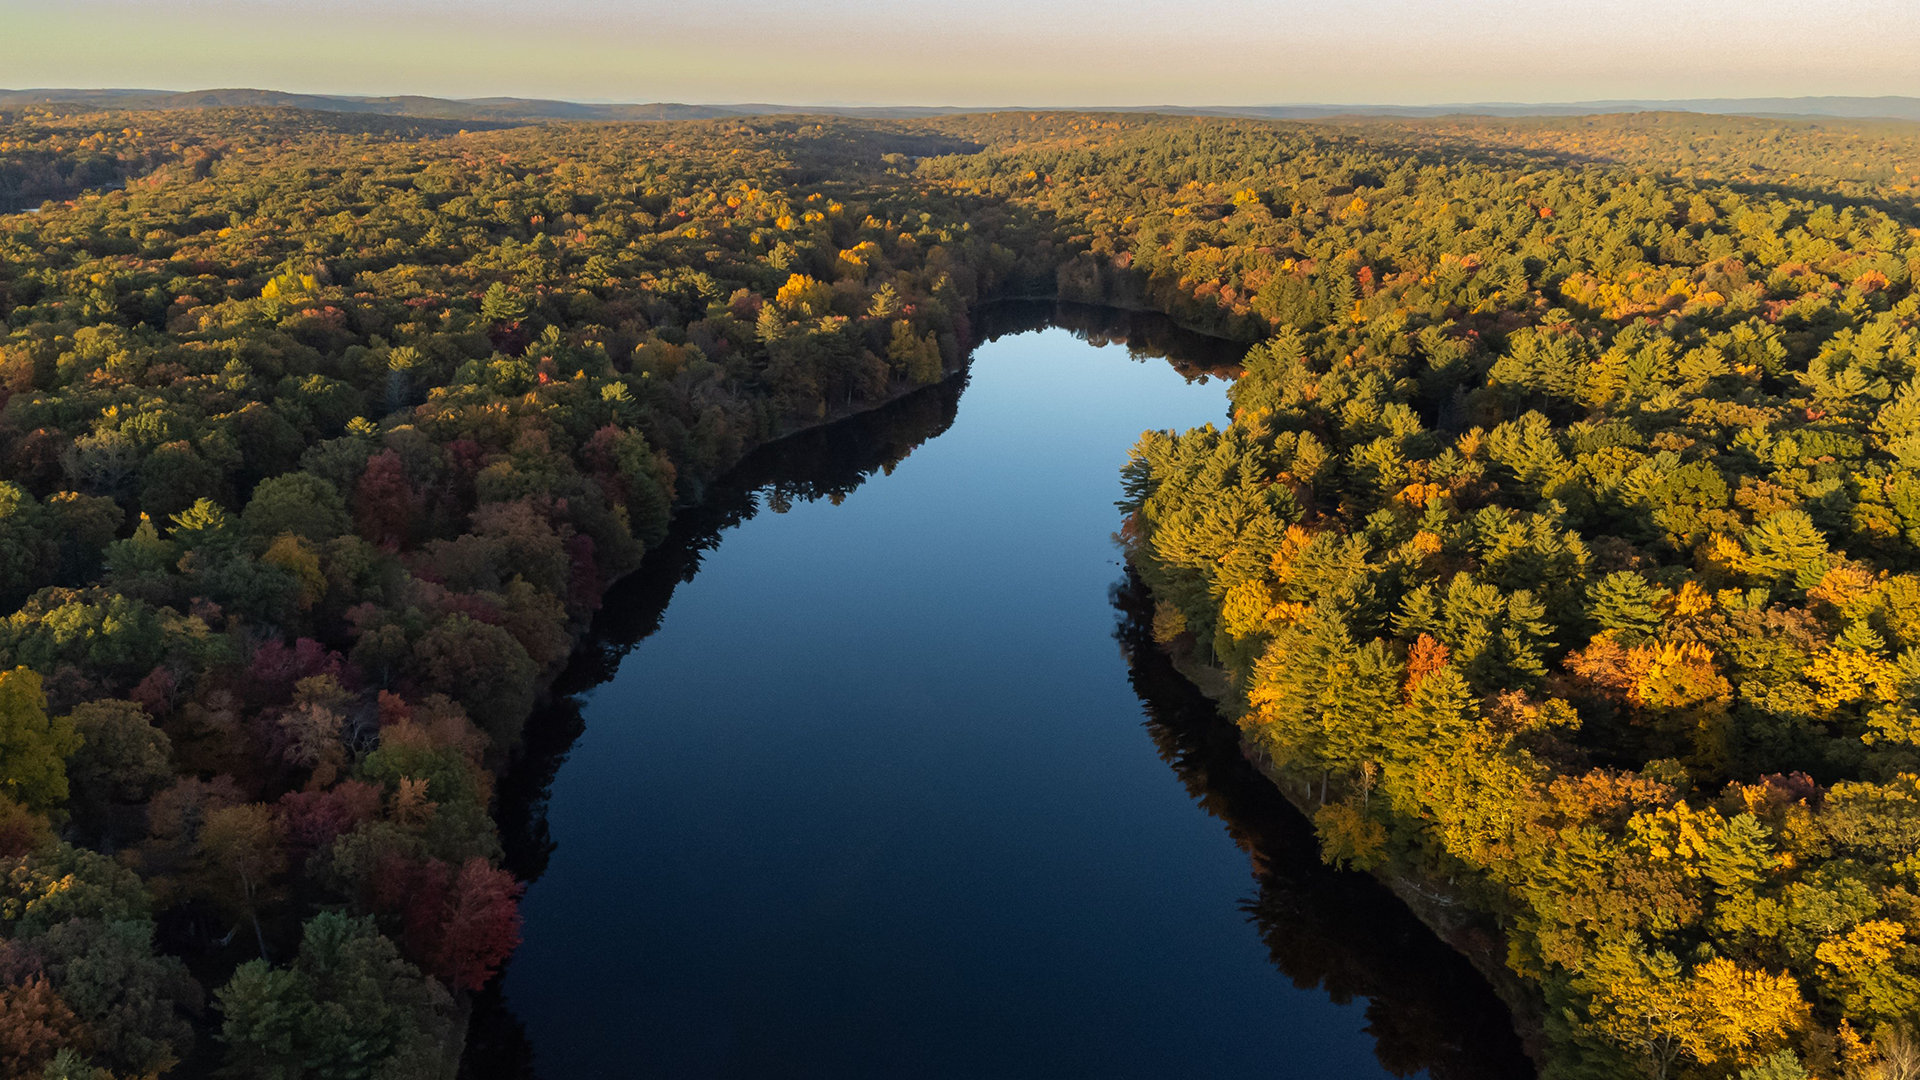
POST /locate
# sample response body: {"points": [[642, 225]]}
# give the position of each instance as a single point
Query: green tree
{"points": [[886, 303], [121, 757], [917, 358], [484, 669], [33, 746], [500, 305], [205, 526], [1628, 603], [1443, 710], [1784, 1065], [135, 1004], [298, 503], [347, 1008], [58, 882], [175, 476], [26, 548], [1787, 546]]}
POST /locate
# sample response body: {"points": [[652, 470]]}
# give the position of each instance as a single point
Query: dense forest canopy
{"points": [[1562, 543]]}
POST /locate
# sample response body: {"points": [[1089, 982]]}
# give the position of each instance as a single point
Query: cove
{"points": [[873, 771]]}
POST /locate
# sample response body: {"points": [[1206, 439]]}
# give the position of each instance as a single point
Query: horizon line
{"points": [[1011, 107]]}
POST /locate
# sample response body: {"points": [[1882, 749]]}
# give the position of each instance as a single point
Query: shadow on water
{"points": [[822, 463], [1339, 931], [1148, 336]]}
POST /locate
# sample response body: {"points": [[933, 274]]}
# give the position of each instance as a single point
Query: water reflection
{"points": [[823, 463], [1146, 335], [1341, 932]]}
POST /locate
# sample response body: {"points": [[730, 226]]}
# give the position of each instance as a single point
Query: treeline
{"points": [[1851, 159], [58, 152]]}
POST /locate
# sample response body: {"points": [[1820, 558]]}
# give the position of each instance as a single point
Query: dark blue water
{"points": [[879, 793]]}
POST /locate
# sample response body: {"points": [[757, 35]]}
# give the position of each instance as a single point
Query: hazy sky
{"points": [[981, 52]]}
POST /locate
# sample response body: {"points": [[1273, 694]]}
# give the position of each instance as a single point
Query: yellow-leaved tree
{"points": [[805, 297], [34, 747]]}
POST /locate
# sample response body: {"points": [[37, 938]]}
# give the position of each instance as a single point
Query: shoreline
{"points": [[1472, 937], [1464, 929]]}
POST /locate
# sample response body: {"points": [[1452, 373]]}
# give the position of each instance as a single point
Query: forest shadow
{"points": [[1148, 336], [1339, 931]]}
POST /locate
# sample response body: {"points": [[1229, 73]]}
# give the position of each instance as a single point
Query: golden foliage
{"points": [[1865, 947], [804, 296], [1292, 543], [1722, 554], [1348, 836], [861, 256], [1739, 1012], [1845, 586], [1169, 622], [1418, 494], [1849, 675], [1691, 600], [1246, 608], [1674, 675], [293, 554]]}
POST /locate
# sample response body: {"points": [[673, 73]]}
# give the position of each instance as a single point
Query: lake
{"points": [[872, 771]]}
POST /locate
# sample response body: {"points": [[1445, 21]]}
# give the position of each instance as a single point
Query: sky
{"points": [[978, 52]]}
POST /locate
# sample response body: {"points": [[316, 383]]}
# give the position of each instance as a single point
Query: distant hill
{"points": [[1879, 108], [530, 109], [405, 105], [494, 108]]}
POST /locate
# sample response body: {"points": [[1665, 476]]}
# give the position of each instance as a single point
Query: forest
{"points": [[1569, 504]]}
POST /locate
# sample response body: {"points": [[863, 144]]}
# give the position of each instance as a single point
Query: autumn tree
{"points": [[241, 855], [35, 1024], [33, 746]]}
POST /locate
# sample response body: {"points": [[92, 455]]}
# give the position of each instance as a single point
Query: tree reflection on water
{"points": [[1341, 932]]}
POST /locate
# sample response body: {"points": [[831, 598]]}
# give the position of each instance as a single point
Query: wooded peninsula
{"points": [[1560, 557]]}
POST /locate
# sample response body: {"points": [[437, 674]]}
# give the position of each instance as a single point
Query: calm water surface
{"points": [[882, 792]]}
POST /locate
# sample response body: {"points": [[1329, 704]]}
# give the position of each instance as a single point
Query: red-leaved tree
{"points": [[459, 925], [384, 502]]}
